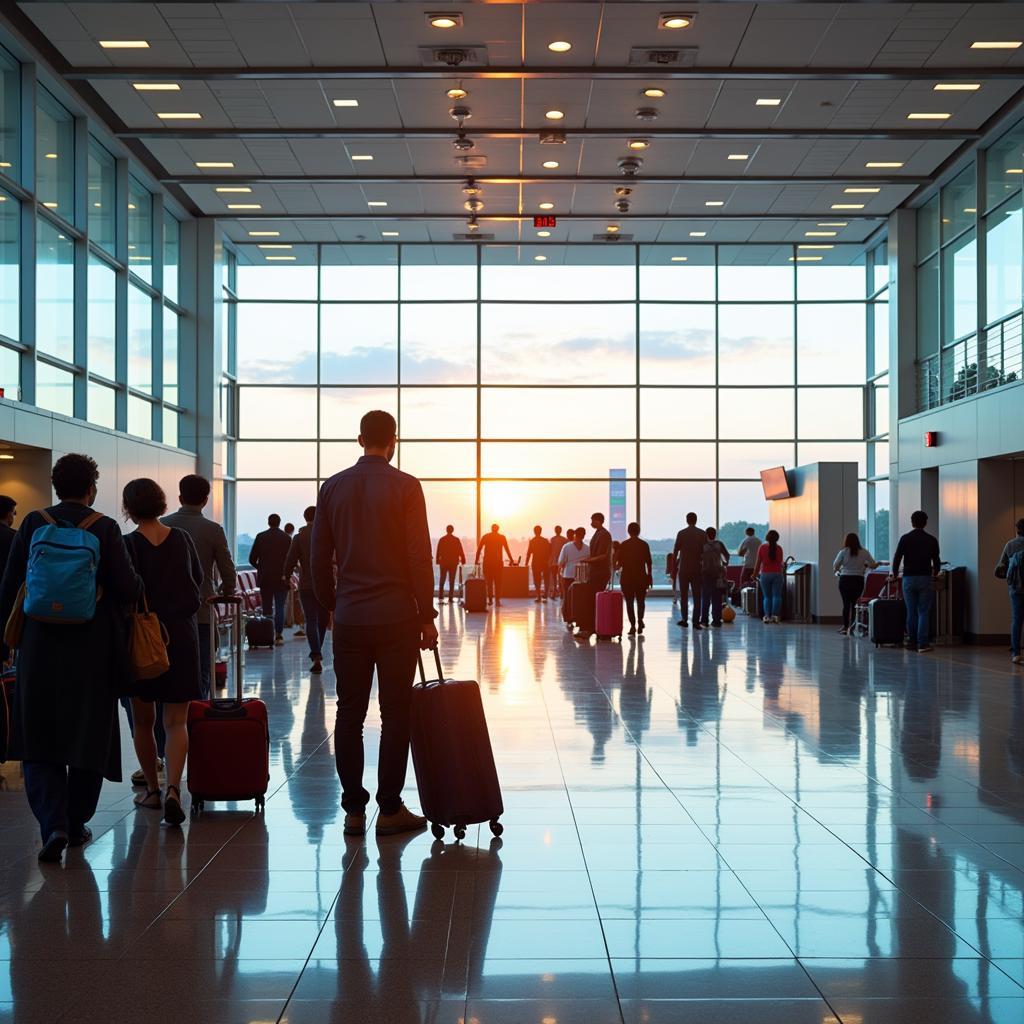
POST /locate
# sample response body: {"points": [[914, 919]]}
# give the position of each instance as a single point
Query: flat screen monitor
{"points": [[775, 483]]}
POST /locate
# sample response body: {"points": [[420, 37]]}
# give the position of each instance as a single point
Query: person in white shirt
{"points": [[747, 550], [850, 565], [574, 552]]}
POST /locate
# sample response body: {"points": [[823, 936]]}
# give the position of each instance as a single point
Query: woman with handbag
{"points": [[166, 559], [713, 561]]}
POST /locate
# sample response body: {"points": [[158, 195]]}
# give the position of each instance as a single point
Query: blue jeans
{"points": [[710, 600], [317, 617], [1016, 620], [63, 798], [919, 595], [278, 599], [771, 593]]}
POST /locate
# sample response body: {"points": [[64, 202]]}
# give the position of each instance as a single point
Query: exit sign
{"points": [[545, 222], [931, 439]]}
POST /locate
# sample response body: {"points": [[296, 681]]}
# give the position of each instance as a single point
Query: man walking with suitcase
{"points": [[371, 520], [918, 552]]}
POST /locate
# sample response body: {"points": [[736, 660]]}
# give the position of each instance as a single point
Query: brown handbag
{"points": [[147, 644]]}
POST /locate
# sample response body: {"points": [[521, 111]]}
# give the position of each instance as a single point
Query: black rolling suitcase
{"points": [[259, 631], [887, 616]]}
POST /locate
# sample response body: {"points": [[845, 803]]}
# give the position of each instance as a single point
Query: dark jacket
{"points": [[69, 676], [212, 548], [634, 559], [7, 536], [299, 555], [450, 551], [268, 555], [372, 520], [688, 548], [918, 552]]}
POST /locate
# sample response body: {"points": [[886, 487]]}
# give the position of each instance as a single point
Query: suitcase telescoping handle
{"points": [[233, 601], [437, 662]]}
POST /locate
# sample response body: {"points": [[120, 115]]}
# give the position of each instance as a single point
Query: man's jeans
{"points": [[918, 595], [274, 602], [1016, 620], [317, 617]]}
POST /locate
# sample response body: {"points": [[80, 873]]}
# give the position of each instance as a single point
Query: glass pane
{"points": [[54, 389], [1004, 244], [101, 401], [102, 188], [55, 157], [558, 413], [10, 115], [272, 275], [140, 417], [928, 228], [10, 264], [740, 506], [360, 272], [269, 459], [171, 357], [840, 274], [526, 344], [101, 318], [881, 408], [677, 414], [358, 344], [928, 308], [677, 273], [1004, 167], [747, 460], [881, 457], [446, 459], [563, 274], [140, 231], [670, 460], [755, 273], [958, 210], [171, 426], [338, 455], [880, 268], [831, 343], [276, 343], [437, 412], [960, 288], [824, 413], [55, 292], [140, 340], [663, 509], [833, 451], [257, 499], [280, 412], [566, 460], [10, 373], [755, 344], [172, 256], [438, 272], [881, 315], [341, 409], [753, 413], [677, 344], [454, 504], [438, 343]]}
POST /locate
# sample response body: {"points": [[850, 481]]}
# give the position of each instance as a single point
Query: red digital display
{"points": [[931, 439], [545, 222]]}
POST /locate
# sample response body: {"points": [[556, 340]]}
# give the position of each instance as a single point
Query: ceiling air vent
{"points": [[683, 57], [617, 237], [476, 236], [471, 163], [452, 56]]}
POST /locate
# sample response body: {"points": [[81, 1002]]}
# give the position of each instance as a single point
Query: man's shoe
{"points": [[632, 630], [81, 837], [536, 600], [299, 633], [697, 625], [403, 820], [682, 622], [278, 640], [1017, 659], [355, 824], [53, 848], [925, 648], [317, 667]]}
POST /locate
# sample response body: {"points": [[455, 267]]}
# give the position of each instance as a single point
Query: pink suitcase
{"points": [[608, 614]]}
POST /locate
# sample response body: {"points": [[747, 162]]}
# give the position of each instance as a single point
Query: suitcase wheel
{"points": [[497, 828], [460, 832], [437, 831], [196, 808], [261, 804]]}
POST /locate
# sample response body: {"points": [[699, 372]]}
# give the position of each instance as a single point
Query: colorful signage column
{"points": [[617, 503]]}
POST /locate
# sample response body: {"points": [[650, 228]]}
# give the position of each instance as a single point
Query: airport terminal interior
{"points": [[762, 262]]}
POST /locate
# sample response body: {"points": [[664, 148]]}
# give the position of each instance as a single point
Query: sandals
{"points": [[150, 800], [173, 811]]}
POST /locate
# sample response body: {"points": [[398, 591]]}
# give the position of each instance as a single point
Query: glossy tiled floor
{"points": [[757, 824]]}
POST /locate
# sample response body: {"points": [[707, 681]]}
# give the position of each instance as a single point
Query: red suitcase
{"points": [[608, 614], [228, 740], [474, 594], [451, 754]]}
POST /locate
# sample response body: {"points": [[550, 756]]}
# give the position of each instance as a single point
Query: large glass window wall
{"points": [[522, 385]]}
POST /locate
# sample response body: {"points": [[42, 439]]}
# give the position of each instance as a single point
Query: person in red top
{"points": [[769, 569]]}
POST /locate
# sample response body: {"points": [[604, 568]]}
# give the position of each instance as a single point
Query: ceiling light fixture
{"points": [[697, 234], [654, 94], [714, 202], [674, 21], [244, 206], [806, 259], [156, 86], [550, 165], [444, 20], [883, 164], [928, 117], [546, 206], [996, 45], [560, 46], [457, 94], [555, 115], [50, 156], [280, 257], [346, 103], [389, 234], [124, 44], [638, 144], [612, 229], [820, 234], [543, 234], [274, 245], [861, 191], [50, 206], [847, 206], [540, 259], [215, 164], [956, 87], [679, 259], [832, 223], [1015, 170], [184, 116], [809, 246], [361, 156], [765, 101], [232, 188], [376, 202], [970, 209], [264, 234], [738, 156]]}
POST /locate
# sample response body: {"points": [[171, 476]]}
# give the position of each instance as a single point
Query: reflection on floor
{"points": [[753, 824]]}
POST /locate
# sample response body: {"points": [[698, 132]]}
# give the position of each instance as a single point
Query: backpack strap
{"points": [[47, 517], [90, 520]]}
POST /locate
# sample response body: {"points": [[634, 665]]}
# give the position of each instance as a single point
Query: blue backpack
{"points": [[63, 560]]}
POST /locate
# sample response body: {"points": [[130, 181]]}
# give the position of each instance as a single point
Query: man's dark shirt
{"points": [[539, 552], [634, 559], [601, 546], [268, 555], [919, 553], [7, 536], [449, 551], [689, 547], [298, 555], [371, 518], [493, 545]]}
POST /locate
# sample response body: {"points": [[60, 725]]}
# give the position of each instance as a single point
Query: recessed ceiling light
{"points": [[156, 86], [445, 20], [554, 115], [457, 94], [540, 259], [612, 229], [559, 46], [543, 234], [956, 87], [50, 206], [638, 144], [389, 234], [244, 206], [7, 457], [232, 188], [280, 257], [218, 164], [970, 209], [806, 245], [986, 45], [346, 103], [654, 94], [767, 101], [675, 21], [697, 234], [130, 247], [550, 165], [361, 156], [928, 117], [738, 156], [264, 234], [805, 259], [865, 191], [820, 234], [847, 206], [274, 245], [50, 156], [679, 259], [5, 163], [832, 223], [182, 116], [546, 206], [98, 206], [1015, 170], [131, 206], [714, 202], [879, 164], [376, 202], [124, 44]]}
